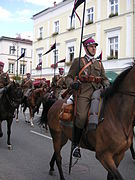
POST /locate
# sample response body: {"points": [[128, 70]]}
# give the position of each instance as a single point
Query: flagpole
{"points": [[70, 162], [54, 59], [81, 36]]}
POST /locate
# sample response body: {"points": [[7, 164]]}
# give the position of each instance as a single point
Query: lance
{"points": [[70, 163], [54, 59]]}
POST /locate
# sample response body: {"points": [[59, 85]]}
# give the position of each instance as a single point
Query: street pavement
{"points": [[32, 150]]}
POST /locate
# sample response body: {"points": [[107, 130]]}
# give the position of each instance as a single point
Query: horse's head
{"points": [[14, 94], [5, 79]]}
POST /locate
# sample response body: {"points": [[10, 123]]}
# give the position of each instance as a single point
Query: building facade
{"points": [[10, 50], [110, 22]]}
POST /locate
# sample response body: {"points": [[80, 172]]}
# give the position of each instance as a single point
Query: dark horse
{"points": [[8, 103], [113, 135], [33, 102], [48, 100]]}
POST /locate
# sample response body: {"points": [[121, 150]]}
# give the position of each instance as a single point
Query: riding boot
{"points": [[77, 133]]}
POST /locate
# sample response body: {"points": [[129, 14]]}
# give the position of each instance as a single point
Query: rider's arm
{"points": [[72, 72]]}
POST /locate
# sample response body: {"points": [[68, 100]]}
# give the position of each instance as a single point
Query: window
{"points": [[71, 53], [72, 26], [90, 14], [41, 32], [23, 50], [56, 27], [22, 69], [40, 58], [113, 47], [11, 68], [55, 55], [114, 6], [12, 50]]}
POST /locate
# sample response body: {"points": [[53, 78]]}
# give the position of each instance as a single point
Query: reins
{"points": [[128, 93]]}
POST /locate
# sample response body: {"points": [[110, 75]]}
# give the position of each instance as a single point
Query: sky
{"points": [[15, 16]]}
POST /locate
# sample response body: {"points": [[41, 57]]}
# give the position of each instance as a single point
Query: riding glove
{"points": [[76, 85]]}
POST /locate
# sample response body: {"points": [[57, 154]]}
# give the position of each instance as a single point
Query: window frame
{"points": [[23, 50], [109, 9], [11, 67], [71, 53], [110, 34], [12, 50], [40, 34], [89, 14], [22, 70], [113, 44], [56, 27], [71, 26]]}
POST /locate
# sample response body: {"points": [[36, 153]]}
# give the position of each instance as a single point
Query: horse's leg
{"points": [[110, 165], [59, 140], [24, 109], [9, 122], [52, 164], [132, 151], [17, 112], [31, 116], [1, 133]]}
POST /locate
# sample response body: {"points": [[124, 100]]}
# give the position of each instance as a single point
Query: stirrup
{"points": [[76, 153]]}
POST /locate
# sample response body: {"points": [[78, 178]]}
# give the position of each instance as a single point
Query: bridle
{"points": [[12, 101]]}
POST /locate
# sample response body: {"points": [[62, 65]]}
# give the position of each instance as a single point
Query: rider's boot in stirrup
{"points": [[77, 133]]}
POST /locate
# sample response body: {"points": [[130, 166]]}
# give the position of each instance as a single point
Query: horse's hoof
{"points": [[1, 134], [51, 173], [17, 120], [133, 157], [32, 125], [9, 147]]}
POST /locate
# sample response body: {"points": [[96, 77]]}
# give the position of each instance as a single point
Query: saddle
{"points": [[67, 113]]}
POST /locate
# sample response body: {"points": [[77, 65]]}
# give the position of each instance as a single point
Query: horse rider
{"points": [[58, 83], [91, 78], [43, 83], [4, 79], [27, 85]]}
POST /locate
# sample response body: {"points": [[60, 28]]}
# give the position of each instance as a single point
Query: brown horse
{"points": [[113, 135], [33, 102]]}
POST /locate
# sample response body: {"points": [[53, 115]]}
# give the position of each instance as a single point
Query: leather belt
{"points": [[90, 78]]}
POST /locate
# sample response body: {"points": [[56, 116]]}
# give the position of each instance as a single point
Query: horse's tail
{"points": [[46, 106]]}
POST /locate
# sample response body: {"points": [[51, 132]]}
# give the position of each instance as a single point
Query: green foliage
{"points": [[112, 15], [89, 22], [54, 34], [111, 57]]}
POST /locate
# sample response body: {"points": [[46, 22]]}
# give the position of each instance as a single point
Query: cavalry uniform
{"points": [[58, 84], [90, 78], [27, 85]]}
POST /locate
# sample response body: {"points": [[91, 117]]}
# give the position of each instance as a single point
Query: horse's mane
{"points": [[109, 92]]}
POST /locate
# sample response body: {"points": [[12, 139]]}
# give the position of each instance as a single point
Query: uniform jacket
{"points": [[95, 69], [27, 83]]}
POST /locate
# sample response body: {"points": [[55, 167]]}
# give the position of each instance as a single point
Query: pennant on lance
{"points": [[76, 4], [52, 47]]}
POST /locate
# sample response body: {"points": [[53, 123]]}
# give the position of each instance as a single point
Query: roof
{"points": [[26, 41], [50, 9]]}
